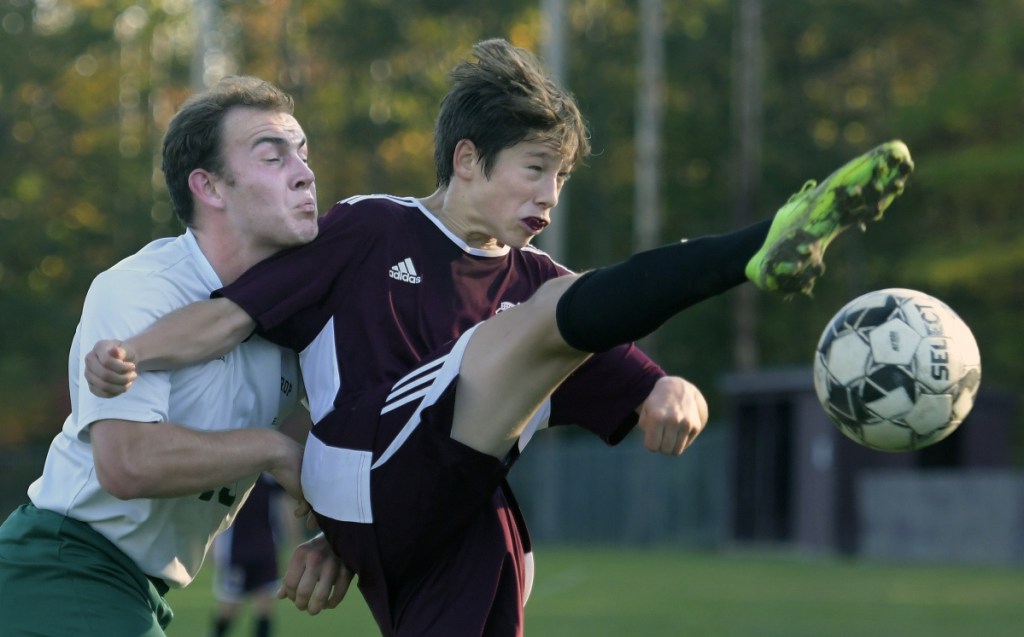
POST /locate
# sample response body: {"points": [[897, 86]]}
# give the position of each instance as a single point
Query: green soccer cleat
{"points": [[790, 260]]}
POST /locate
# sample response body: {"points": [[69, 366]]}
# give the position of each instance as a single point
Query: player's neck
{"points": [[229, 256], [445, 205], [435, 201], [442, 205]]}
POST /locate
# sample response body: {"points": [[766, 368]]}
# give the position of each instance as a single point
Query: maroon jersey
{"points": [[373, 306], [385, 284]]}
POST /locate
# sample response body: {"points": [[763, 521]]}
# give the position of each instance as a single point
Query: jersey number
{"points": [[224, 496]]}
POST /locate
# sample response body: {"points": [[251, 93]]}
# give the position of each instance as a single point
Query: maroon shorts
{"points": [[426, 522]]}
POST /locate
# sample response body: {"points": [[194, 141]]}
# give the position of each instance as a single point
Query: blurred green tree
{"points": [[87, 87]]}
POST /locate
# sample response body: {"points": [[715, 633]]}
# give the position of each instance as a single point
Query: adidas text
{"points": [[404, 276], [405, 271]]}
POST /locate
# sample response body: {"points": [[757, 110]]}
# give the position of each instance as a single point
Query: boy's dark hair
{"points": [[499, 99], [194, 135]]}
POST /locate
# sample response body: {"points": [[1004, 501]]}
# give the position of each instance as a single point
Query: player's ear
{"points": [[464, 161], [205, 187]]}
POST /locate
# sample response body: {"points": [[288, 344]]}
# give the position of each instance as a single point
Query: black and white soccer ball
{"points": [[897, 370]]}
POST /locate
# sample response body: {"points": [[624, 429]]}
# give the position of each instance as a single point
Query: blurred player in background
{"points": [[245, 559]]}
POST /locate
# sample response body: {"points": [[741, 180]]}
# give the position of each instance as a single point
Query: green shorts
{"points": [[59, 577]]}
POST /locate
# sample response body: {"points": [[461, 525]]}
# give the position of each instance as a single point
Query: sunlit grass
{"points": [[610, 591]]}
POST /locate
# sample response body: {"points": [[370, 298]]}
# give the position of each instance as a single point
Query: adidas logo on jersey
{"points": [[405, 271]]}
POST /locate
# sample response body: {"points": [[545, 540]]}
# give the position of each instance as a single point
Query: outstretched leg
{"points": [[513, 362], [516, 359]]}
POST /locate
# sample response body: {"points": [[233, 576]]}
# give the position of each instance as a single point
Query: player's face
{"points": [[514, 203], [269, 191]]}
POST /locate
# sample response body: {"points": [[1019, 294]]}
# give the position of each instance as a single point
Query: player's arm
{"points": [[672, 415], [621, 388], [155, 460], [191, 334]]}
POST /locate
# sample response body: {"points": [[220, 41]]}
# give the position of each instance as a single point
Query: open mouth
{"points": [[535, 224]]}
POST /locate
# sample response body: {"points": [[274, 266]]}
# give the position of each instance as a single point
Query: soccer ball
{"points": [[897, 370]]}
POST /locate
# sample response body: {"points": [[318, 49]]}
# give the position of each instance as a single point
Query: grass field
{"points": [[647, 592]]}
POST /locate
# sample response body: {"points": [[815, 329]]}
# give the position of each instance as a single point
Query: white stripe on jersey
{"points": [[319, 363], [336, 480], [391, 406], [415, 374], [450, 365]]}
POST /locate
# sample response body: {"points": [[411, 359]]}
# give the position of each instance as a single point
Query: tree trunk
{"points": [[748, 104]]}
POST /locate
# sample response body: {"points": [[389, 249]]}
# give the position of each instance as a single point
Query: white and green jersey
{"points": [[255, 385]]}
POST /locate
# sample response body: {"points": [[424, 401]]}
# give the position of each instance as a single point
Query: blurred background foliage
{"points": [[87, 88]]}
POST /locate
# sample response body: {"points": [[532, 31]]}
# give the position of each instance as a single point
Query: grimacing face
{"points": [[513, 204], [269, 189]]}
